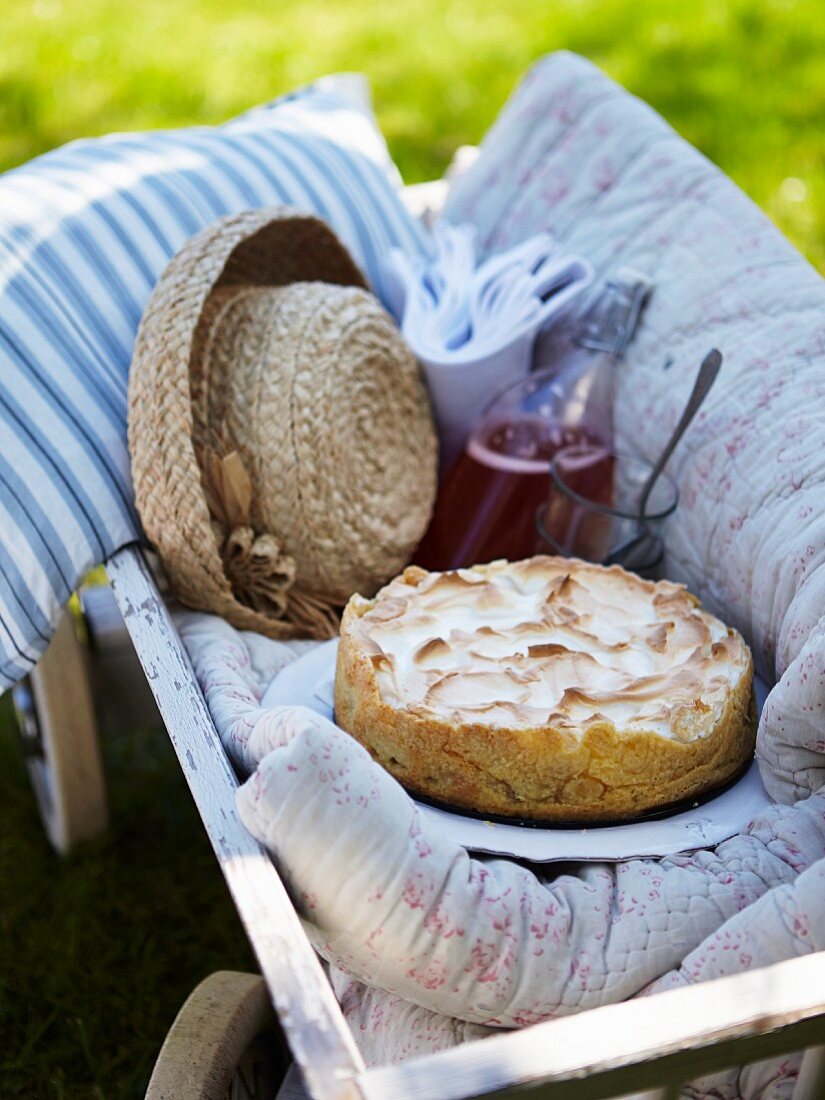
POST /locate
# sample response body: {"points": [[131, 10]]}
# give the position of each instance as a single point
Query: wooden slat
{"points": [[605, 1053], [317, 1032], [611, 1051]]}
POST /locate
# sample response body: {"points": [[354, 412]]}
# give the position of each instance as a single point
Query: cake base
{"points": [[660, 814], [570, 772], [543, 774]]}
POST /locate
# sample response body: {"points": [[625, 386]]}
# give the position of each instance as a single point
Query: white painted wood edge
{"points": [[557, 1058], [710, 1025], [318, 1035]]}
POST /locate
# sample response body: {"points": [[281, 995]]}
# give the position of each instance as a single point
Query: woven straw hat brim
{"points": [[261, 347], [270, 247], [325, 403]]}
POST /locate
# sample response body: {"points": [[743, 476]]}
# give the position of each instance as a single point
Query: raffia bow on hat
{"points": [[283, 452], [258, 569]]}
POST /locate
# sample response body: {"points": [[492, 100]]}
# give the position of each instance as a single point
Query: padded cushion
{"points": [[474, 943], [477, 943], [84, 233], [573, 153]]}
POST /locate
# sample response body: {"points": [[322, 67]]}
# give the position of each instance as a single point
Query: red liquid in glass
{"points": [[486, 508], [573, 521]]}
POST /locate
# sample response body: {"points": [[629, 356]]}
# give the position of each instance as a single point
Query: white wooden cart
{"points": [[214, 1050], [652, 1044]]}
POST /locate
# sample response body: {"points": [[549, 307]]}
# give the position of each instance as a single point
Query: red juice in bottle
{"points": [[486, 508], [487, 504]]}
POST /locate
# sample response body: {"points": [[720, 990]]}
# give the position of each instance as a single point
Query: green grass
{"points": [[97, 953], [742, 79]]}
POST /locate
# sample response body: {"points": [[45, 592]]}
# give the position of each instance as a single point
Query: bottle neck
{"points": [[611, 321]]}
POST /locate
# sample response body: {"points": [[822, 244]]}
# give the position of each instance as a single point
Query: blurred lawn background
{"points": [[744, 80], [96, 953]]}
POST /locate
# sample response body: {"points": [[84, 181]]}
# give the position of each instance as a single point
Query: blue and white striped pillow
{"points": [[85, 232]]}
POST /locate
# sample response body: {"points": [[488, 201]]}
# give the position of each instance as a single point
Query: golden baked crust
{"points": [[670, 733]]}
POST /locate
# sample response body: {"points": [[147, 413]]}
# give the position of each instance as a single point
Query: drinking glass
{"points": [[592, 509]]}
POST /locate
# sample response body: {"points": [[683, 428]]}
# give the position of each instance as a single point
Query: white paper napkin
{"points": [[472, 328]]}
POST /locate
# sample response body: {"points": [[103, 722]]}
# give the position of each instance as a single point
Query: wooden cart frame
{"points": [[654, 1043]]}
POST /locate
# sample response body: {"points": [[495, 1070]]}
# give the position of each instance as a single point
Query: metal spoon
{"points": [[636, 551]]}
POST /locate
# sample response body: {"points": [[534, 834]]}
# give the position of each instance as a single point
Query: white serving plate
{"points": [[309, 682]]}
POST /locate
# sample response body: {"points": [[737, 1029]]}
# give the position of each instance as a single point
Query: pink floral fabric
{"points": [[788, 921], [573, 153], [428, 946]]}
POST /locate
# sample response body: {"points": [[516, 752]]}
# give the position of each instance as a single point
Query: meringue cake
{"points": [[548, 689]]}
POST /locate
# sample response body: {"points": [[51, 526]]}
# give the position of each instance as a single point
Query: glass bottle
{"points": [[582, 362], [487, 504]]}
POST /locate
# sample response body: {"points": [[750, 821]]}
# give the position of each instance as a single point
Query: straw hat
{"points": [[283, 450]]}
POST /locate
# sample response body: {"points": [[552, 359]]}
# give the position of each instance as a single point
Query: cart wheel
{"points": [[56, 717], [223, 1044]]}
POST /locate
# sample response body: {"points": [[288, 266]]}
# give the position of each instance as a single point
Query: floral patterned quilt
{"points": [[428, 946]]}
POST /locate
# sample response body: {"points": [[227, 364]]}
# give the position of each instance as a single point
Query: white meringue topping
{"points": [[550, 641]]}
